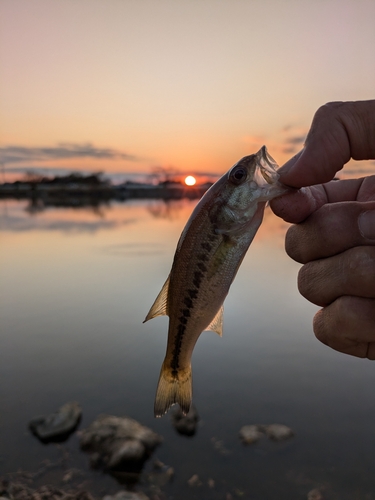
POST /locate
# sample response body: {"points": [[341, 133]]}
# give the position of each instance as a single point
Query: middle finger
{"points": [[349, 273]]}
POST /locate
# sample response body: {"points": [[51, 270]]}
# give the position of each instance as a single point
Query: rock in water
{"points": [[279, 432], [118, 443], [251, 433], [315, 494], [57, 426], [127, 495], [185, 424]]}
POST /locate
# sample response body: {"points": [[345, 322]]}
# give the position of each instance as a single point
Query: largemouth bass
{"points": [[208, 255]]}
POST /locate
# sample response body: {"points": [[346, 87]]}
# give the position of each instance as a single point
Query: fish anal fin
{"points": [[173, 389], [216, 324], [160, 306]]}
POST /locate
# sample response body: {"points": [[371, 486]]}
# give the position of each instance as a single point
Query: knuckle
{"points": [[328, 110], [294, 242], [300, 240], [317, 281], [319, 327], [307, 280], [360, 268], [348, 325]]}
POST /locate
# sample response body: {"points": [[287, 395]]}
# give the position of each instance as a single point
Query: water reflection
{"points": [[76, 284], [134, 249], [167, 209]]}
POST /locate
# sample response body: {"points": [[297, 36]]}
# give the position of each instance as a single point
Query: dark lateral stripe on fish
{"points": [[202, 256], [202, 267], [181, 328], [188, 302], [206, 246], [177, 349]]}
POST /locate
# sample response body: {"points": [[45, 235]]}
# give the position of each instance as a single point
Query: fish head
{"points": [[252, 181]]}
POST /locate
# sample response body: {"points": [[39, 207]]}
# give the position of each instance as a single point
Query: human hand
{"points": [[334, 235]]}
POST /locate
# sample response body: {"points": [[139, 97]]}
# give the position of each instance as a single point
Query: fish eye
{"points": [[238, 175]]}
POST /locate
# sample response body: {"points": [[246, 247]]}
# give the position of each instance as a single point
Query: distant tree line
{"points": [[95, 179]]}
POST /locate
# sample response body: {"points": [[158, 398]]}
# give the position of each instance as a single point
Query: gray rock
{"points": [[315, 494], [118, 443], [127, 495], [59, 425], [194, 481], [185, 424], [160, 475], [279, 432], [251, 433]]}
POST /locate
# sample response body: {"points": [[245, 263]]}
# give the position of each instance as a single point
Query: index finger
{"points": [[297, 206], [339, 131]]}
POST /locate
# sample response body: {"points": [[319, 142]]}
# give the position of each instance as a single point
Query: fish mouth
{"points": [[267, 170]]}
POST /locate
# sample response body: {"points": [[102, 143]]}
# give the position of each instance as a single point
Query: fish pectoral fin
{"points": [[160, 306], [216, 324]]}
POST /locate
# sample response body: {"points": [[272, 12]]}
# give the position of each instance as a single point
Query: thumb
{"points": [[339, 131]]}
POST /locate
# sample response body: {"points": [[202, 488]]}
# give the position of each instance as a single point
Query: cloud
{"points": [[292, 143], [63, 151], [286, 142], [299, 139]]}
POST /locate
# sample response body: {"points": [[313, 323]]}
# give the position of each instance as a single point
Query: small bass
{"points": [[208, 255]]}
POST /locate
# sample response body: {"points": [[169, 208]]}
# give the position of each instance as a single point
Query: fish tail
{"points": [[173, 389]]}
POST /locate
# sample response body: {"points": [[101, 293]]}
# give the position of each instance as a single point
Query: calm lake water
{"points": [[75, 287]]}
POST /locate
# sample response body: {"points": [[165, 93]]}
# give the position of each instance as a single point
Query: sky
{"points": [[188, 85]]}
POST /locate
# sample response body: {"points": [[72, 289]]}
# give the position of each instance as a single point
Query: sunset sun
{"points": [[190, 180]]}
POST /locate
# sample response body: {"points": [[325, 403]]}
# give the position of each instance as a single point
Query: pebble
{"points": [[127, 495], [185, 424], [315, 494], [194, 481], [251, 433], [219, 446], [279, 432], [58, 425], [161, 474]]}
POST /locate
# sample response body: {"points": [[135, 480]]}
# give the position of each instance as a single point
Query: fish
{"points": [[209, 253]]}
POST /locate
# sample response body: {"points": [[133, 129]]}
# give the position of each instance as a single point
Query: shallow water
{"points": [[75, 287]]}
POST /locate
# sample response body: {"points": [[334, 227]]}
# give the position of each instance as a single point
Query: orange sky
{"points": [[124, 85]]}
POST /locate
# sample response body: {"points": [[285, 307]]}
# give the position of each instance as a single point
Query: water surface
{"points": [[76, 284]]}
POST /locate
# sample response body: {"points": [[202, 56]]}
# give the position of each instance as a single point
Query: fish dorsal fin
{"points": [[160, 306], [216, 324]]}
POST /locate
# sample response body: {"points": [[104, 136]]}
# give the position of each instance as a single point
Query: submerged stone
{"points": [[118, 443], [59, 425], [185, 424], [279, 432], [315, 494], [160, 475], [16, 490], [251, 433], [127, 495]]}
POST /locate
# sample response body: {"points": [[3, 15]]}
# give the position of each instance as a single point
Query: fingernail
{"points": [[366, 223]]}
